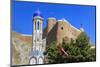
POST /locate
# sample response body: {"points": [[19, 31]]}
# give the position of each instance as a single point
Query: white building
{"points": [[38, 48]]}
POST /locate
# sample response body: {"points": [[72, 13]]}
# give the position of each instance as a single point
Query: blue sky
{"points": [[22, 14]]}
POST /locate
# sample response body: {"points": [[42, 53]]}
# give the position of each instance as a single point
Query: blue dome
{"points": [[37, 13]]}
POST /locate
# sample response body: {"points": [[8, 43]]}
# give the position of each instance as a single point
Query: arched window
{"points": [[38, 25], [35, 25]]}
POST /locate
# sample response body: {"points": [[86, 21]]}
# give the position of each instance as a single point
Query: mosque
{"points": [[30, 49], [56, 30]]}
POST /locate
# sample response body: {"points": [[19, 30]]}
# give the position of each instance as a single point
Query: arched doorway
{"points": [[40, 60], [32, 61]]}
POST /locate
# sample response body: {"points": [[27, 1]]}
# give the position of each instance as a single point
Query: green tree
{"points": [[53, 54], [78, 50]]}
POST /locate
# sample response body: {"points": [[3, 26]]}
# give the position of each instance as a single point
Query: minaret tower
{"points": [[37, 56]]}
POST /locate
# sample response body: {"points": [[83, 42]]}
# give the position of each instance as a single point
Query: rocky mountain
{"points": [[21, 48]]}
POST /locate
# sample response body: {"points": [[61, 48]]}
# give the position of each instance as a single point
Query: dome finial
{"points": [[37, 13], [81, 28]]}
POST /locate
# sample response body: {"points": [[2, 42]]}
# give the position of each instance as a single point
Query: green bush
{"points": [[78, 51]]}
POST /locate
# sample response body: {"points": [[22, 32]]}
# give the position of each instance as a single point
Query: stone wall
{"points": [[64, 29], [57, 31]]}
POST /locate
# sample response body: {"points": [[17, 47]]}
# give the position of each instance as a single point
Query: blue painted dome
{"points": [[37, 13]]}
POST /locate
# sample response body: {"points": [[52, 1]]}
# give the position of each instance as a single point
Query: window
{"points": [[38, 25], [35, 25], [61, 28]]}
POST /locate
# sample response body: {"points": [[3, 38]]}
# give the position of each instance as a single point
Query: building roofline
{"points": [[69, 24]]}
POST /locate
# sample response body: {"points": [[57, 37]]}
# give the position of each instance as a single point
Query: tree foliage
{"points": [[78, 50]]}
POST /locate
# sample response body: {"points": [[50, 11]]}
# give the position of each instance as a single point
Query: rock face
{"points": [[58, 30], [65, 30], [21, 48]]}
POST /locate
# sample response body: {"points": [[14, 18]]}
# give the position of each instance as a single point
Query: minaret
{"points": [[37, 56]]}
